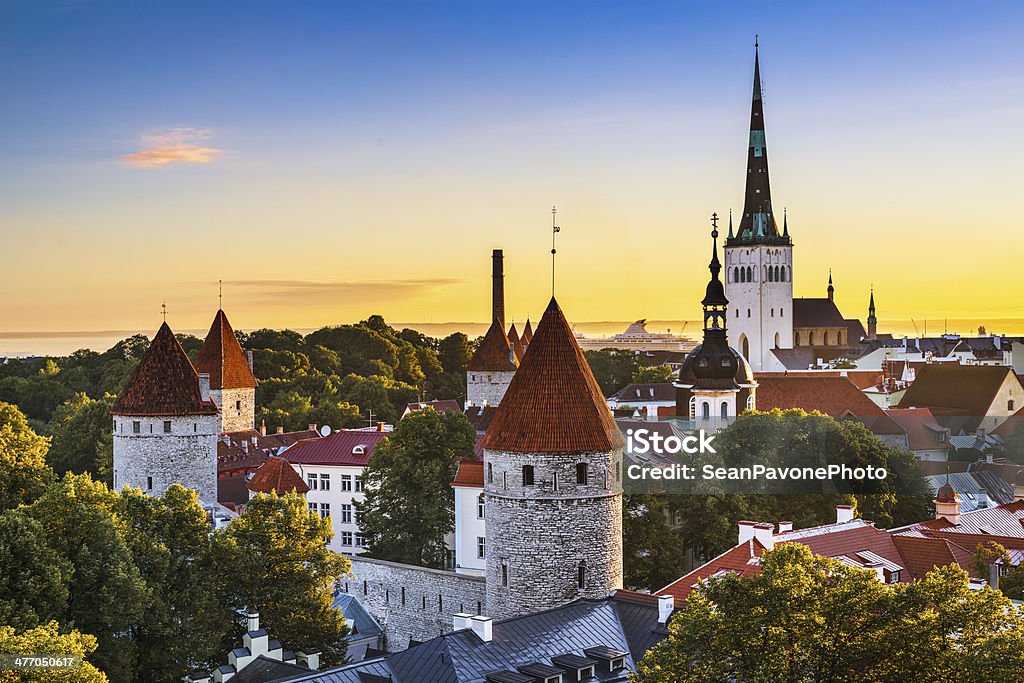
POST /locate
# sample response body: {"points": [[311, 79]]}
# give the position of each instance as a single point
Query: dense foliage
{"points": [[410, 505], [807, 618]]}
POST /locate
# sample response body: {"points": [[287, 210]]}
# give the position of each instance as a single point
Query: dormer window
{"points": [[358, 450]]}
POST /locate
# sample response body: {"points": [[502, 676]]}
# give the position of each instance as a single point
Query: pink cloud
{"points": [[174, 146]]}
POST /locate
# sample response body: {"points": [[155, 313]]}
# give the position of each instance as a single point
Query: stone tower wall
{"points": [[539, 534], [487, 387], [761, 309], [237, 408], [152, 459]]}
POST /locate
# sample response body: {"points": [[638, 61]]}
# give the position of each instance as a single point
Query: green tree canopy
{"points": [[48, 639], [409, 505], [24, 474], [82, 437]]}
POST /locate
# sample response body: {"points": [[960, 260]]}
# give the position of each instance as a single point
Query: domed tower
{"points": [[232, 384], [947, 503], [552, 481], [758, 257], [165, 424], [715, 381]]}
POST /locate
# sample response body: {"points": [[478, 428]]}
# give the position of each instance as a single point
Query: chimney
{"points": [[844, 513], [461, 621], [746, 531], [312, 427], [666, 605], [380, 426], [252, 621], [482, 626], [764, 532], [785, 527], [280, 430], [878, 569], [204, 386], [248, 357], [993, 576], [263, 427], [308, 658], [498, 287]]}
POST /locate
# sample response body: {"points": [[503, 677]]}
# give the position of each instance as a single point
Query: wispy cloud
{"points": [[173, 146], [315, 291]]}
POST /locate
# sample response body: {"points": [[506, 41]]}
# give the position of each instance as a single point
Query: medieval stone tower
{"points": [[165, 424], [758, 258], [552, 481], [232, 384], [490, 370]]}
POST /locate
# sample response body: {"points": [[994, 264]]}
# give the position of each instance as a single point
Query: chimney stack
{"points": [[746, 531], [462, 621], [764, 532], [498, 287], [308, 658], [204, 386], [785, 527], [844, 513], [666, 605], [482, 626]]}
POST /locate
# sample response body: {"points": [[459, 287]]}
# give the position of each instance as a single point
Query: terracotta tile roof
{"points": [[527, 333], [480, 416], [1005, 430], [352, 447], [516, 343], [494, 352], [835, 396], [470, 474], [245, 450], [921, 555], [163, 383], [816, 313], [1002, 523], [970, 388], [848, 539], [553, 404], [276, 475], [922, 429], [862, 379], [741, 560], [221, 355]]}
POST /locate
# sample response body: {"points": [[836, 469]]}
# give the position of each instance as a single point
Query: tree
{"points": [[612, 368], [1012, 585], [35, 577], [106, 593], [810, 619], [281, 568], [81, 432], [653, 552], [48, 640], [653, 374], [409, 505], [24, 474], [455, 352]]}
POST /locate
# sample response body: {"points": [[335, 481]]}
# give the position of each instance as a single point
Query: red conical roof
{"points": [[494, 353], [527, 334], [222, 357], [164, 382], [515, 343], [554, 404], [276, 474]]}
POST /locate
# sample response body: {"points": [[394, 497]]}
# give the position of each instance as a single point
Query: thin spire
{"points": [[715, 267], [757, 71], [554, 231], [163, 310], [831, 289], [785, 223], [730, 224], [220, 295]]}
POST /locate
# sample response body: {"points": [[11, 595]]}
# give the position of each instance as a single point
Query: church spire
{"points": [[872, 320], [831, 289], [715, 365], [757, 224]]}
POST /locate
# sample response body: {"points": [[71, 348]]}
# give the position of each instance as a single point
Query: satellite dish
{"points": [[325, 430]]}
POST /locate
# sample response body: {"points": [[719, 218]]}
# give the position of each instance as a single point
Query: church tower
{"points": [[758, 258], [166, 424], [872, 320], [494, 363], [232, 384], [552, 482]]}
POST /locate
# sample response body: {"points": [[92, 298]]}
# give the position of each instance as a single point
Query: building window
{"points": [[618, 471], [195, 426], [150, 428], [481, 547], [581, 473], [481, 506], [748, 312], [325, 482], [346, 482], [504, 572], [725, 409], [167, 426], [359, 484], [311, 481], [238, 405], [504, 480], [311, 507], [490, 473], [527, 475], [346, 538], [554, 481], [325, 510], [581, 575], [1009, 404], [149, 483], [136, 427], [346, 514], [360, 540], [705, 409]]}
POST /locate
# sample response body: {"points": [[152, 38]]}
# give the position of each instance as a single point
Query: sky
{"points": [[329, 161]]}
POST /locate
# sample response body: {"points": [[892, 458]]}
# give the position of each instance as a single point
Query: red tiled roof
{"points": [[247, 449], [1004, 430], [921, 555], [164, 383], [920, 426], [339, 448], [494, 352], [221, 355], [515, 343], [276, 475], [470, 474], [739, 560], [527, 333], [970, 389], [835, 396], [1002, 523], [553, 404], [848, 539]]}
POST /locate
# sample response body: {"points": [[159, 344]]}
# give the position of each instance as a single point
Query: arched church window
{"points": [[693, 407], [725, 409], [750, 274], [810, 338], [777, 340], [706, 409]]}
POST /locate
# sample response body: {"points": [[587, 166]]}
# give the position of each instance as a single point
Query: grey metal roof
{"points": [[365, 626], [263, 670], [627, 625]]}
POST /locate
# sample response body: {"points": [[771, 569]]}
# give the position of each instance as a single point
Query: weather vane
{"points": [[163, 310], [220, 294], [554, 231]]}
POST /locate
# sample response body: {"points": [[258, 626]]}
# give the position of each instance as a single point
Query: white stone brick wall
{"points": [[237, 408], [153, 459], [487, 388], [761, 309]]}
